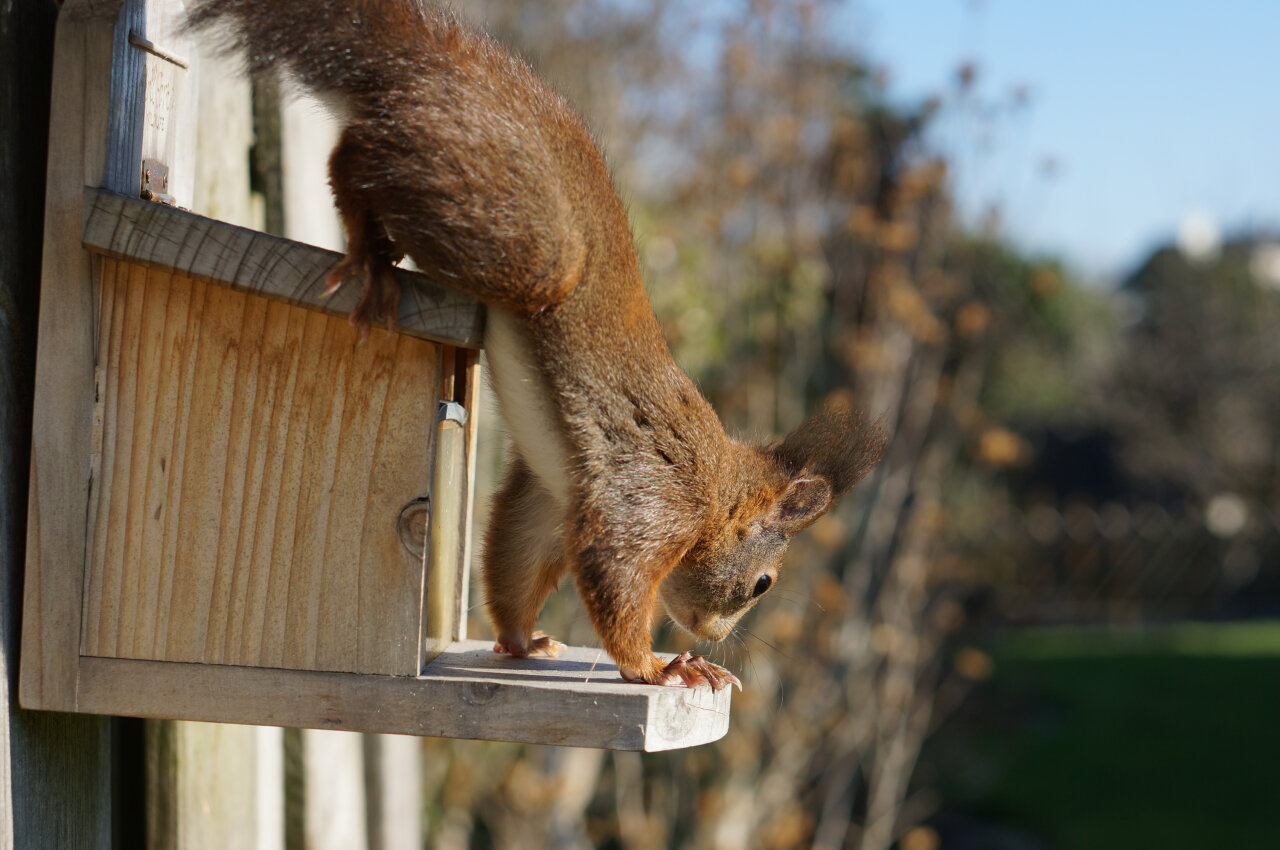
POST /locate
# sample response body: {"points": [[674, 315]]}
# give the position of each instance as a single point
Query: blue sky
{"points": [[1153, 111]]}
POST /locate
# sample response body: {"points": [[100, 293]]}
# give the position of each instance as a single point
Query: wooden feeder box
{"points": [[239, 512]]}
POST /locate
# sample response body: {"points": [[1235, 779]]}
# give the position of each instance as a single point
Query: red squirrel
{"points": [[455, 153]]}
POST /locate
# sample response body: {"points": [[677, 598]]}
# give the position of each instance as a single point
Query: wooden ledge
{"points": [[205, 249], [468, 691]]}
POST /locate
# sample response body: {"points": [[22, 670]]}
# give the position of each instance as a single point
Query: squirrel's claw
{"points": [[689, 670], [349, 268], [539, 644], [380, 296]]}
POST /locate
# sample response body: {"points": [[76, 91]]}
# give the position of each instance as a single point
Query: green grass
{"points": [[1094, 740]]}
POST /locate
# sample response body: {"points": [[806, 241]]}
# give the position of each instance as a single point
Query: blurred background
{"points": [[1042, 242]]}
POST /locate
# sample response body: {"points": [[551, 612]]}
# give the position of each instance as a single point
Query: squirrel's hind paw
{"points": [[539, 644]]}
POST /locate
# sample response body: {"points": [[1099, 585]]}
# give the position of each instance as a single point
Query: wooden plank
{"points": [[202, 788], [471, 400], [254, 461], [197, 247], [64, 386], [467, 692], [334, 815], [393, 791], [127, 102]]}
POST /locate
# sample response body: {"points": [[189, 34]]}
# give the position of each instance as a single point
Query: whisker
{"points": [[751, 662], [785, 655], [802, 598]]}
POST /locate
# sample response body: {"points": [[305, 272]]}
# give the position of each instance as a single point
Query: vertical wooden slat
{"points": [[63, 404], [393, 792], [471, 399], [333, 805], [201, 787]]}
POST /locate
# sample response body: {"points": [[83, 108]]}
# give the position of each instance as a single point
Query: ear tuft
{"points": [[836, 443], [806, 499]]}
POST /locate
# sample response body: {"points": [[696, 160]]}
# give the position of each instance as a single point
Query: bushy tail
{"points": [[359, 49]]}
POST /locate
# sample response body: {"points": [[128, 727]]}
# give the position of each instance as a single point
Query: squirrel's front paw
{"points": [[539, 644], [689, 670]]}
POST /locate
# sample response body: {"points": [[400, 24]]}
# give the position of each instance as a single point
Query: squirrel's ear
{"points": [[805, 500], [836, 444]]}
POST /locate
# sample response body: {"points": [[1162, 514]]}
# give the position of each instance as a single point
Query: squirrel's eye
{"points": [[762, 584]]}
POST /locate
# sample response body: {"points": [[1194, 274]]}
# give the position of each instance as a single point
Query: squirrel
{"points": [[457, 154]]}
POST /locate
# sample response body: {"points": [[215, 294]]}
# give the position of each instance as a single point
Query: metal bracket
{"points": [[155, 183], [451, 411]]}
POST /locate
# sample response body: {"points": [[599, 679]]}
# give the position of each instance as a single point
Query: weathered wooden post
{"points": [[55, 769]]}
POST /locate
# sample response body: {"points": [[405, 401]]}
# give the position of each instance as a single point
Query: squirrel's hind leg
{"points": [[371, 256], [524, 560]]}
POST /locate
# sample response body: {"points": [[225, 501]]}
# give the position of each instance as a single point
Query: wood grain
{"points": [[193, 246], [254, 461], [467, 692]]}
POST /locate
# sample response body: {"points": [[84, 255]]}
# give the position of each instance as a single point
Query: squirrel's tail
{"points": [[360, 50]]}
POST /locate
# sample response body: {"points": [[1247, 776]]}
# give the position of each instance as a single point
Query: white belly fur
{"points": [[525, 401]]}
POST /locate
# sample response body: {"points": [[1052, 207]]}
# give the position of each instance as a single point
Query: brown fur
{"points": [[459, 156]]}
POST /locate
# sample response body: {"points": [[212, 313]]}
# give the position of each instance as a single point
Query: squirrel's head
{"points": [[770, 494]]}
